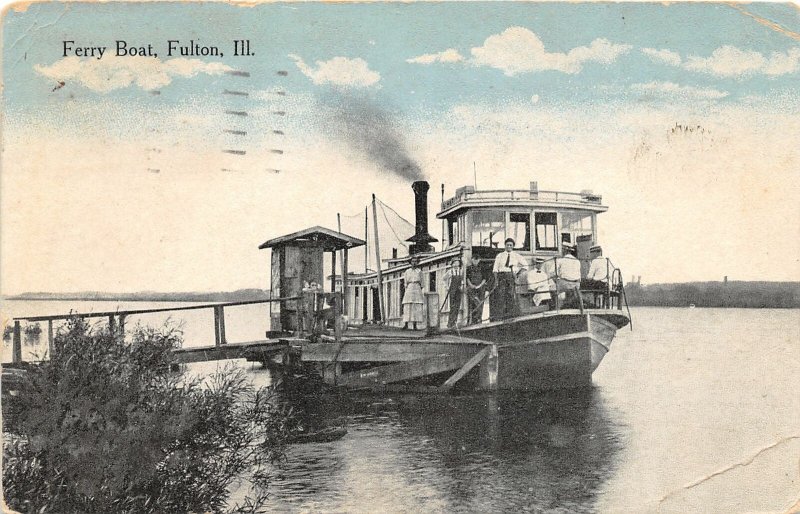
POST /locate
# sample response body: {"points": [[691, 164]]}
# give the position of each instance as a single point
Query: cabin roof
{"points": [[330, 239], [467, 198]]}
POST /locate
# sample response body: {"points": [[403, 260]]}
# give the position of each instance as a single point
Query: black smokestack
{"points": [[371, 130], [421, 238]]}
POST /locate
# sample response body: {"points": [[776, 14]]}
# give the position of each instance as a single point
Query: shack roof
{"points": [[330, 239]]}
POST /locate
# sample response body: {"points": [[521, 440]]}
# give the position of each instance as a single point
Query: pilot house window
{"points": [[546, 231], [520, 230], [453, 231], [488, 229]]}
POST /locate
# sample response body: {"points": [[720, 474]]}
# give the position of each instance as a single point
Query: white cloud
{"points": [[670, 89], [783, 63], [111, 72], [663, 56], [518, 50], [730, 61], [449, 55], [727, 61], [339, 71]]}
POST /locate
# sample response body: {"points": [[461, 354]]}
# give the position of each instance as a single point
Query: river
{"points": [[695, 410]]}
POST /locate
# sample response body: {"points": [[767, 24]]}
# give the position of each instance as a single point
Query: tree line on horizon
{"points": [[742, 294], [151, 296], [754, 295]]}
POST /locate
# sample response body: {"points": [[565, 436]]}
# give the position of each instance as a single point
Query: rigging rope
{"points": [[383, 210]]}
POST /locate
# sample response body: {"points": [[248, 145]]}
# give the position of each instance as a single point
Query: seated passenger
{"points": [[568, 276], [569, 269], [596, 280], [540, 284]]}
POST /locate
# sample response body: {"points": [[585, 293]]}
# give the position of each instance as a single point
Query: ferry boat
{"points": [[555, 336]]}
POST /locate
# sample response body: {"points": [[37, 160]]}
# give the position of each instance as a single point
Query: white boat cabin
{"points": [[476, 223]]}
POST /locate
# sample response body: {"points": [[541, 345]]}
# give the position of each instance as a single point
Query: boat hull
{"points": [[545, 351], [542, 351]]}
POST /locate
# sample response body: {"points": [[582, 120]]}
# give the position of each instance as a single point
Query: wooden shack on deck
{"points": [[297, 258]]}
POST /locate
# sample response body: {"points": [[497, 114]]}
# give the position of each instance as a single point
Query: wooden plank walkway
{"points": [[260, 351], [387, 374]]}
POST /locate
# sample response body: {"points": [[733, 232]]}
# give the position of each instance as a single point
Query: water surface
{"points": [[689, 394]]}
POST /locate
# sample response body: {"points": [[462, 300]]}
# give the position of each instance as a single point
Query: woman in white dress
{"points": [[412, 299]]}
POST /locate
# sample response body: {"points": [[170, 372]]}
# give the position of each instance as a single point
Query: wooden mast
{"points": [[378, 260], [343, 259]]}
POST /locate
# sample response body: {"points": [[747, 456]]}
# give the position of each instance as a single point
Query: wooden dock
{"points": [[261, 350], [254, 351], [376, 358], [395, 357]]}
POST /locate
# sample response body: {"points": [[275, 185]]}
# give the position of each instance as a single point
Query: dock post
{"points": [[333, 272], [16, 355], [222, 339], [488, 371], [217, 339], [112, 326], [122, 326], [50, 337], [219, 325]]}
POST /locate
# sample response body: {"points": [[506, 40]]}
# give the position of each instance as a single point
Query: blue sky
{"points": [[575, 95], [386, 35]]}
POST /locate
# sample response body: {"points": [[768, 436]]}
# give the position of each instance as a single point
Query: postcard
{"points": [[400, 256]]}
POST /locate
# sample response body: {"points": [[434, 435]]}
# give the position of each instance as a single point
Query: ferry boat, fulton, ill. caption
{"points": [[546, 325]]}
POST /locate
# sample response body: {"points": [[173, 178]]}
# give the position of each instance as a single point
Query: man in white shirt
{"points": [[507, 265], [568, 275], [596, 279]]}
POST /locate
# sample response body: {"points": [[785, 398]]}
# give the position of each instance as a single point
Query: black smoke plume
{"points": [[370, 130]]}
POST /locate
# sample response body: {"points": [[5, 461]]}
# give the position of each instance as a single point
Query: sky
{"points": [[143, 173]]}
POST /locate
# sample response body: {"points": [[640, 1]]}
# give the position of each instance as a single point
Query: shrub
{"points": [[105, 426]]}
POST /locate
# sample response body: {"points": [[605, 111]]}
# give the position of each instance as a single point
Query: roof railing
{"points": [[513, 195]]}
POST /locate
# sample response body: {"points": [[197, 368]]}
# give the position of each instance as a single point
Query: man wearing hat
{"points": [[568, 273], [507, 265]]}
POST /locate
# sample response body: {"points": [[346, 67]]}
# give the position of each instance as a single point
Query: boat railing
{"points": [[606, 291], [524, 195]]}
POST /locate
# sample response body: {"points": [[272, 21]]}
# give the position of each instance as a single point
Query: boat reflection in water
{"points": [[552, 451]]}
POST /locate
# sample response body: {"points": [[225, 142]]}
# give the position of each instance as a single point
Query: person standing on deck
{"points": [[453, 280], [412, 299], [476, 291], [506, 267]]}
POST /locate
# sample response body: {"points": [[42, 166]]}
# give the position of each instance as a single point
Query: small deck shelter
{"points": [[298, 258]]}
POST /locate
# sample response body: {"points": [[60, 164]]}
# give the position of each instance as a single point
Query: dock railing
{"points": [[116, 321]]}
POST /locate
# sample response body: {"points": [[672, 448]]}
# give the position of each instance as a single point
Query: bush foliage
{"points": [[105, 426]]}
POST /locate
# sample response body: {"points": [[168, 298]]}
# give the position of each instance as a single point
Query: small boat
{"points": [[325, 435], [691, 306]]}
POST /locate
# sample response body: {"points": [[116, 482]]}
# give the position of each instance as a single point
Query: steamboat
{"points": [[547, 327]]}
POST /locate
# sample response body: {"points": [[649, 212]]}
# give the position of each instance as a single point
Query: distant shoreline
{"points": [[146, 296], [734, 294], [731, 294]]}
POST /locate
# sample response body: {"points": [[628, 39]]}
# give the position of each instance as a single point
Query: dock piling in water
{"points": [[16, 355]]}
